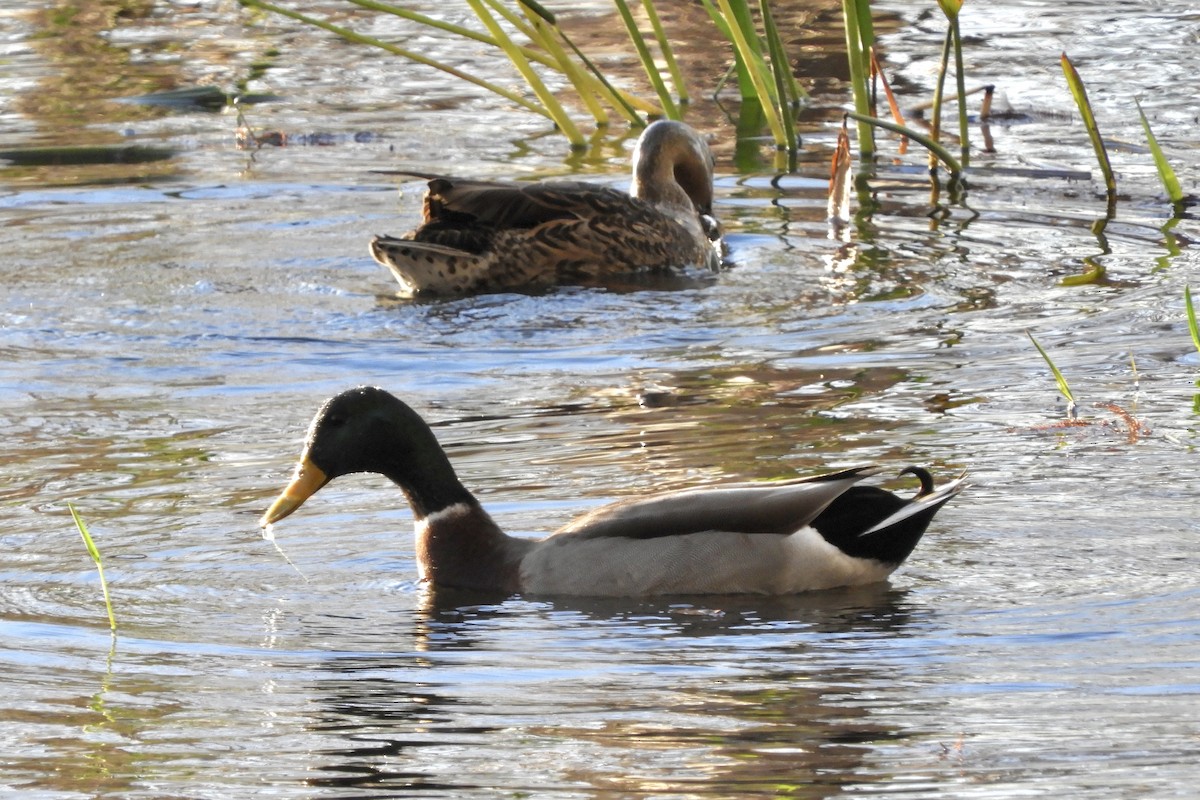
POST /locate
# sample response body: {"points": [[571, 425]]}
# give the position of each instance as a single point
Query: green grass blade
{"points": [[857, 57], [544, 95], [746, 43], [1195, 331], [547, 36], [523, 27], [618, 99], [1191, 316], [94, 552], [1165, 173], [785, 82], [1079, 92], [866, 30], [664, 47], [358, 38], [794, 91], [639, 44], [745, 85], [1063, 386], [540, 10], [413, 16], [458, 30]]}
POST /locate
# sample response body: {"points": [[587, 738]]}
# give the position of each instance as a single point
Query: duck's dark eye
{"points": [[335, 420]]}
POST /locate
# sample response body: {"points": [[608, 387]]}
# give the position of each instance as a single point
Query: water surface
{"points": [[169, 326]]}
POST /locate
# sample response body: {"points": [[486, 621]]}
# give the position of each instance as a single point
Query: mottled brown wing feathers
{"points": [[513, 205]]}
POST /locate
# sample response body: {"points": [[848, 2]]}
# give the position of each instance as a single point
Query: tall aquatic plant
{"points": [[590, 80], [766, 77], [352, 36], [1079, 92], [760, 61], [545, 51], [639, 43], [860, 39], [547, 98], [951, 9], [864, 68], [1194, 330]]}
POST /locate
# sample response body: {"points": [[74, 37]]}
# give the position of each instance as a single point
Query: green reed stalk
{"points": [[964, 132], [358, 38], [1193, 328], [746, 42], [951, 9], [787, 90], [740, 68], [668, 54], [544, 34], [619, 100], [524, 27], [939, 89], [660, 87], [549, 102], [1063, 387], [856, 16], [94, 552], [793, 92], [1165, 173], [625, 103], [414, 16], [1079, 92]]}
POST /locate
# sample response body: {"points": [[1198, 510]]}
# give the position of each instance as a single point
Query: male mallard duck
{"points": [[773, 538], [481, 236]]}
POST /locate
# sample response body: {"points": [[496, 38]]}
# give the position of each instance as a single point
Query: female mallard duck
{"points": [[774, 538], [483, 236]]}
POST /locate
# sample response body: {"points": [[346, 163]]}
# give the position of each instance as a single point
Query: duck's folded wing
{"points": [[503, 204], [522, 205], [779, 508]]}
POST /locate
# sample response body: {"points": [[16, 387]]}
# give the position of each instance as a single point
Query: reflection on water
{"points": [[731, 696], [167, 329]]}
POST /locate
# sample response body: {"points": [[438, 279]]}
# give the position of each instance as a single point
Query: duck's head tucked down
{"points": [[673, 165], [770, 538], [487, 235]]}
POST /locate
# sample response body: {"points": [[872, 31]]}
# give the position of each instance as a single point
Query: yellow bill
{"points": [[307, 479]]}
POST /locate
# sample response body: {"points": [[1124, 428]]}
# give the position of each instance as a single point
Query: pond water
{"points": [[171, 320]]}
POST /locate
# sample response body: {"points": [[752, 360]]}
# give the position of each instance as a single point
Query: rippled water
{"points": [[168, 328]]}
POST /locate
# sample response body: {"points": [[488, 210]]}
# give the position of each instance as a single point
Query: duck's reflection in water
{"points": [[700, 696]]}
